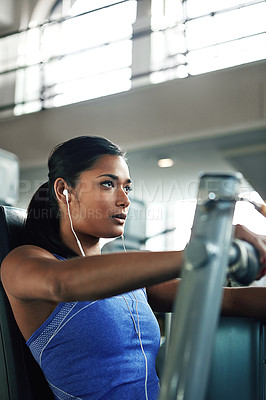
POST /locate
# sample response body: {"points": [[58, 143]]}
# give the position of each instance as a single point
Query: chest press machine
{"points": [[209, 357]]}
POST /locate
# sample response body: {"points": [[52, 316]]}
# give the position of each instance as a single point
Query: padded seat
{"points": [[20, 376]]}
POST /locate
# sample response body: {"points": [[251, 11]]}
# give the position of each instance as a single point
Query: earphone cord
{"points": [[123, 242], [137, 329], [74, 233]]}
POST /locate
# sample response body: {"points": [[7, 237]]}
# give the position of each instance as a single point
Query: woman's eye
{"points": [[127, 189], [108, 184]]}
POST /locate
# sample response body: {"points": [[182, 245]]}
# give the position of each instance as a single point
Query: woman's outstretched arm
{"points": [[31, 273]]}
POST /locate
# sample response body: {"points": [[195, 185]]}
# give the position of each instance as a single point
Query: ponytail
{"points": [[42, 225]]}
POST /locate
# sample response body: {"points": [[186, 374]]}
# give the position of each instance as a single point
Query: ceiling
{"points": [[215, 121], [244, 152]]}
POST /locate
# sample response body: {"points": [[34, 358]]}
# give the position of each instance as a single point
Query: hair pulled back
{"points": [[67, 160]]}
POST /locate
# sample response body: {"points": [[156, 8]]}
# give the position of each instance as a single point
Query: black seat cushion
{"points": [[20, 376]]}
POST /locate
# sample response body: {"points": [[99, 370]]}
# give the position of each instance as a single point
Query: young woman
{"points": [[85, 316]]}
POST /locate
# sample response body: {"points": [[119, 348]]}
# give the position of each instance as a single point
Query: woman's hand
{"points": [[258, 241]]}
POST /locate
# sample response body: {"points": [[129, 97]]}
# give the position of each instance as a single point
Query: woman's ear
{"points": [[61, 190]]}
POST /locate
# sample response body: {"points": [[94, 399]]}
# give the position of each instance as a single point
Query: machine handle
{"points": [[244, 263]]}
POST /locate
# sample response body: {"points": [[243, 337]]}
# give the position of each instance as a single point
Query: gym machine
{"points": [[197, 307]]}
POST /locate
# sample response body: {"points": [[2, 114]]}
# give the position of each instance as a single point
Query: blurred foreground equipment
{"points": [[198, 302]]}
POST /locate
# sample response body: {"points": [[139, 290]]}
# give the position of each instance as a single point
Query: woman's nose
{"points": [[122, 198]]}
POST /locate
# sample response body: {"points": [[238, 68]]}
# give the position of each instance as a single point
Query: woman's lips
{"points": [[120, 218]]}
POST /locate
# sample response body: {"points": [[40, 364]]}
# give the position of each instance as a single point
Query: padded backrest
{"points": [[20, 376]]}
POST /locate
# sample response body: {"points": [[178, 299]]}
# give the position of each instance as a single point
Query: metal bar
{"points": [[60, 20], [199, 296], [224, 10]]}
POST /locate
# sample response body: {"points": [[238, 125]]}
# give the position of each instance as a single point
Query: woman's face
{"points": [[100, 199]]}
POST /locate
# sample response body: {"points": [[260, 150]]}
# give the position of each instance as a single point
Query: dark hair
{"points": [[67, 160]]}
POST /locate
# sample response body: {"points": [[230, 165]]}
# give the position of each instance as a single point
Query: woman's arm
{"points": [[244, 302], [31, 273], [161, 297], [237, 301]]}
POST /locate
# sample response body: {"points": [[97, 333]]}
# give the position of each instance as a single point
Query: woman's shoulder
{"points": [[24, 267], [17, 257], [28, 250]]}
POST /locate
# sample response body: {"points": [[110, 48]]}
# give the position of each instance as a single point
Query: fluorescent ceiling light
{"points": [[165, 162]]}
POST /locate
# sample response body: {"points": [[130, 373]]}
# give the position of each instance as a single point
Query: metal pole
{"points": [[199, 296]]}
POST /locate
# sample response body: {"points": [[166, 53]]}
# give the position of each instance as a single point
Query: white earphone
{"points": [[65, 193]]}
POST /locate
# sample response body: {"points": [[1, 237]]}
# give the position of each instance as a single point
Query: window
{"points": [[222, 34], [192, 37], [85, 53]]}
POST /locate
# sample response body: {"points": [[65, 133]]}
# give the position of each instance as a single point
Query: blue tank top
{"points": [[90, 350]]}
